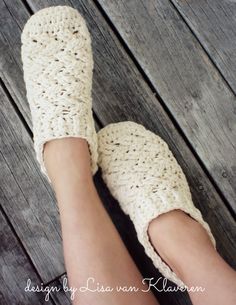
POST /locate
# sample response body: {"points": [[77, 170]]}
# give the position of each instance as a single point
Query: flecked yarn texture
{"points": [[143, 175], [58, 66]]}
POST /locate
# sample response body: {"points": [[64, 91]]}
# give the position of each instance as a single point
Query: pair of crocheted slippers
{"points": [[137, 165]]}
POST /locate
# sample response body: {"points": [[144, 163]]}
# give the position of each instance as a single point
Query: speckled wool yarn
{"points": [[143, 175], [58, 64]]}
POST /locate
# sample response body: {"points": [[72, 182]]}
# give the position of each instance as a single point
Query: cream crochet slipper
{"points": [[58, 63], [143, 175]]}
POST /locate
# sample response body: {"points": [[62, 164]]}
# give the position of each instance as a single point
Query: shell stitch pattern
{"points": [[58, 66], [143, 175]]}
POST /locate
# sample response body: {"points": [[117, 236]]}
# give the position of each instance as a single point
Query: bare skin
{"points": [[185, 246], [92, 246]]}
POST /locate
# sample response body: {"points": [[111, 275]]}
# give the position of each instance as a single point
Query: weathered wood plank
{"points": [[15, 270], [182, 74], [10, 58], [25, 197], [214, 23]]}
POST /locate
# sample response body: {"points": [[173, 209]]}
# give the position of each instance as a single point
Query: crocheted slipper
{"points": [[143, 175], [58, 63]]}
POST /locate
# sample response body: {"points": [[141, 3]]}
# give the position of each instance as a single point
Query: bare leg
{"points": [[186, 248], [92, 246]]}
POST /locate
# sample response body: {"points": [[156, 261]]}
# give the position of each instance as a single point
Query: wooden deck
{"points": [[167, 64]]}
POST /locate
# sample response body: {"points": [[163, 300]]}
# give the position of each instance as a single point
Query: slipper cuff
{"points": [[154, 210], [70, 127]]}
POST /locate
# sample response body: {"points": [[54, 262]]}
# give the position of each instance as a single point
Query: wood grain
{"points": [[25, 196], [15, 270], [190, 86], [214, 24], [13, 16]]}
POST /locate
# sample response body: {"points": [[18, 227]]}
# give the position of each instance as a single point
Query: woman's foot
{"points": [[143, 175], [151, 188], [58, 63], [186, 248]]}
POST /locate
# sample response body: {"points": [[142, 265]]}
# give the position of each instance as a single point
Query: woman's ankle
{"points": [[66, 158], [179, 240]]}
